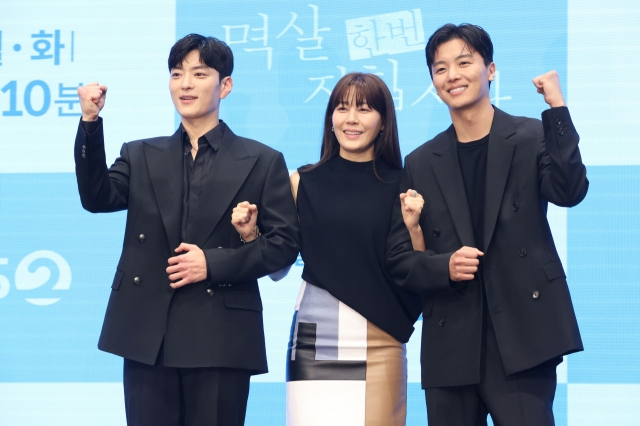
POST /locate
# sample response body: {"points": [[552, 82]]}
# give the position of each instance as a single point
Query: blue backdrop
{"points": [[57, 261]]}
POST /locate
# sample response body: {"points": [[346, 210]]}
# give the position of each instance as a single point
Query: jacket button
{"points": [[560, 132], [141, 237], [515, 207], [536, 294], [436, 232], [210, 292], [84, 155], [84, 147], [441, 323], [558, 121], [136, 280], [523, 252]]}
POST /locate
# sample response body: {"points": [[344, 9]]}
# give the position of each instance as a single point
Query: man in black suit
{"points": [[185, 309], [497, 314]]}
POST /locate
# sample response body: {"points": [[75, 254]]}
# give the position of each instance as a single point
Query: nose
{"points": [[452, 74], [187, 82], [352, 116]]}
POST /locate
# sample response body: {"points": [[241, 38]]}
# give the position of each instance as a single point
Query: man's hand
{"points": [[92, 97], [411, 205], [187, 268], [244, 219], [549, 85], [464, 263]]}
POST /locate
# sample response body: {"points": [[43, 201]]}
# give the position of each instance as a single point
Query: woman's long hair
{"points": [[361, 88]]}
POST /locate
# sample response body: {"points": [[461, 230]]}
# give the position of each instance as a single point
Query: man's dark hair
{"points": [[474, 36], [214, 53]]}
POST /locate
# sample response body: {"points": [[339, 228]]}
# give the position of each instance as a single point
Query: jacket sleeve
{"points": [[276, 248], [424, 272], [563, 176], [101, 189]]}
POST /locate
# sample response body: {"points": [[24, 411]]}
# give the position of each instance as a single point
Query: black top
{"points": [[473, 164], [195, 172], [345, 214], [472, 157]]}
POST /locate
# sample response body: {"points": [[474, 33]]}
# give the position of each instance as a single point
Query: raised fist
{"points": [[92, 98], [411, 203], [549, 86], [244, 218]]}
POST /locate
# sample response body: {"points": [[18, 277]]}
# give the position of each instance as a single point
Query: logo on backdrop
{"points": [[387, 34], [33, 272]]}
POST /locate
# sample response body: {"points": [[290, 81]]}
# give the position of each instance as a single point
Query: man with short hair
{"points": [[185, 310], [497, 314]]}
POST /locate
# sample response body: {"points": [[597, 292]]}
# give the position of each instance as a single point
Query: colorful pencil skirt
{"points": [[342, 369]]}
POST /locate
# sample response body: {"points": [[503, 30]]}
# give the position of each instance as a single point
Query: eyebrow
{"points": [[197, 67], [346, 102], [465, 55]]}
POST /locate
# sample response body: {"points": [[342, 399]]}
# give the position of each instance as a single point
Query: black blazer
{"points": [[216, 323], [529, 163]]}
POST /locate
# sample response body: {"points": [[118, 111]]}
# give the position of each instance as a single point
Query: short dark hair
{"points": [[474, 36], [369, 88], [214, 53]]}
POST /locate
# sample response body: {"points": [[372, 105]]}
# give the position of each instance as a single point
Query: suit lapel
{"points": [[164, 161], [498, 165], [447, 170], [230, 169]]}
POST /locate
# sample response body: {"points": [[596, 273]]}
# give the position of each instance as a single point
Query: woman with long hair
{"points": [[346, 363]]}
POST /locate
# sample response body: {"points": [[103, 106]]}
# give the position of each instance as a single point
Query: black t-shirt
{"points": [[472, 157]]}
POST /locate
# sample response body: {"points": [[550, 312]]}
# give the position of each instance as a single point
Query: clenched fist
{"points": [[92, 98], [411, 203], [244, 218], [464, 263], [549, 86]]}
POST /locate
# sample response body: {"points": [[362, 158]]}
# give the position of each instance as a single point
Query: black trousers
{"points": [[522, 399], [156, 395]]}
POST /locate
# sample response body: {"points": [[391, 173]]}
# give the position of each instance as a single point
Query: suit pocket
{"points": [[554, 270], [116, 280], [243, 300]]}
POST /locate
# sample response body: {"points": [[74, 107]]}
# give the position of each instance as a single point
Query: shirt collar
{"points": [[213, 137]]}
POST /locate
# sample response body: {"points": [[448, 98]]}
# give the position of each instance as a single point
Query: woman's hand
{"points": [[411, 204], [244, 219]]}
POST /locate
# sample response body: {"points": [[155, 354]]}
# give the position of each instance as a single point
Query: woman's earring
{"points": [[332, 128]]}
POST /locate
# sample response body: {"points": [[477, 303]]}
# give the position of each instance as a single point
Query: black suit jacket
{"points": [[216, 323], [529, 163]]}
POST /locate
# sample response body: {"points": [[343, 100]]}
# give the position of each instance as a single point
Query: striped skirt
{"points": [[342, 369]]}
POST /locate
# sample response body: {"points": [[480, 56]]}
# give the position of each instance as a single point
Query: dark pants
{"points": [[156, 395], [522, 399]]}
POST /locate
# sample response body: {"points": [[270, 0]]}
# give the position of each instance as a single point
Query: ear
{"points": [[226, 86], [492, 71]]}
